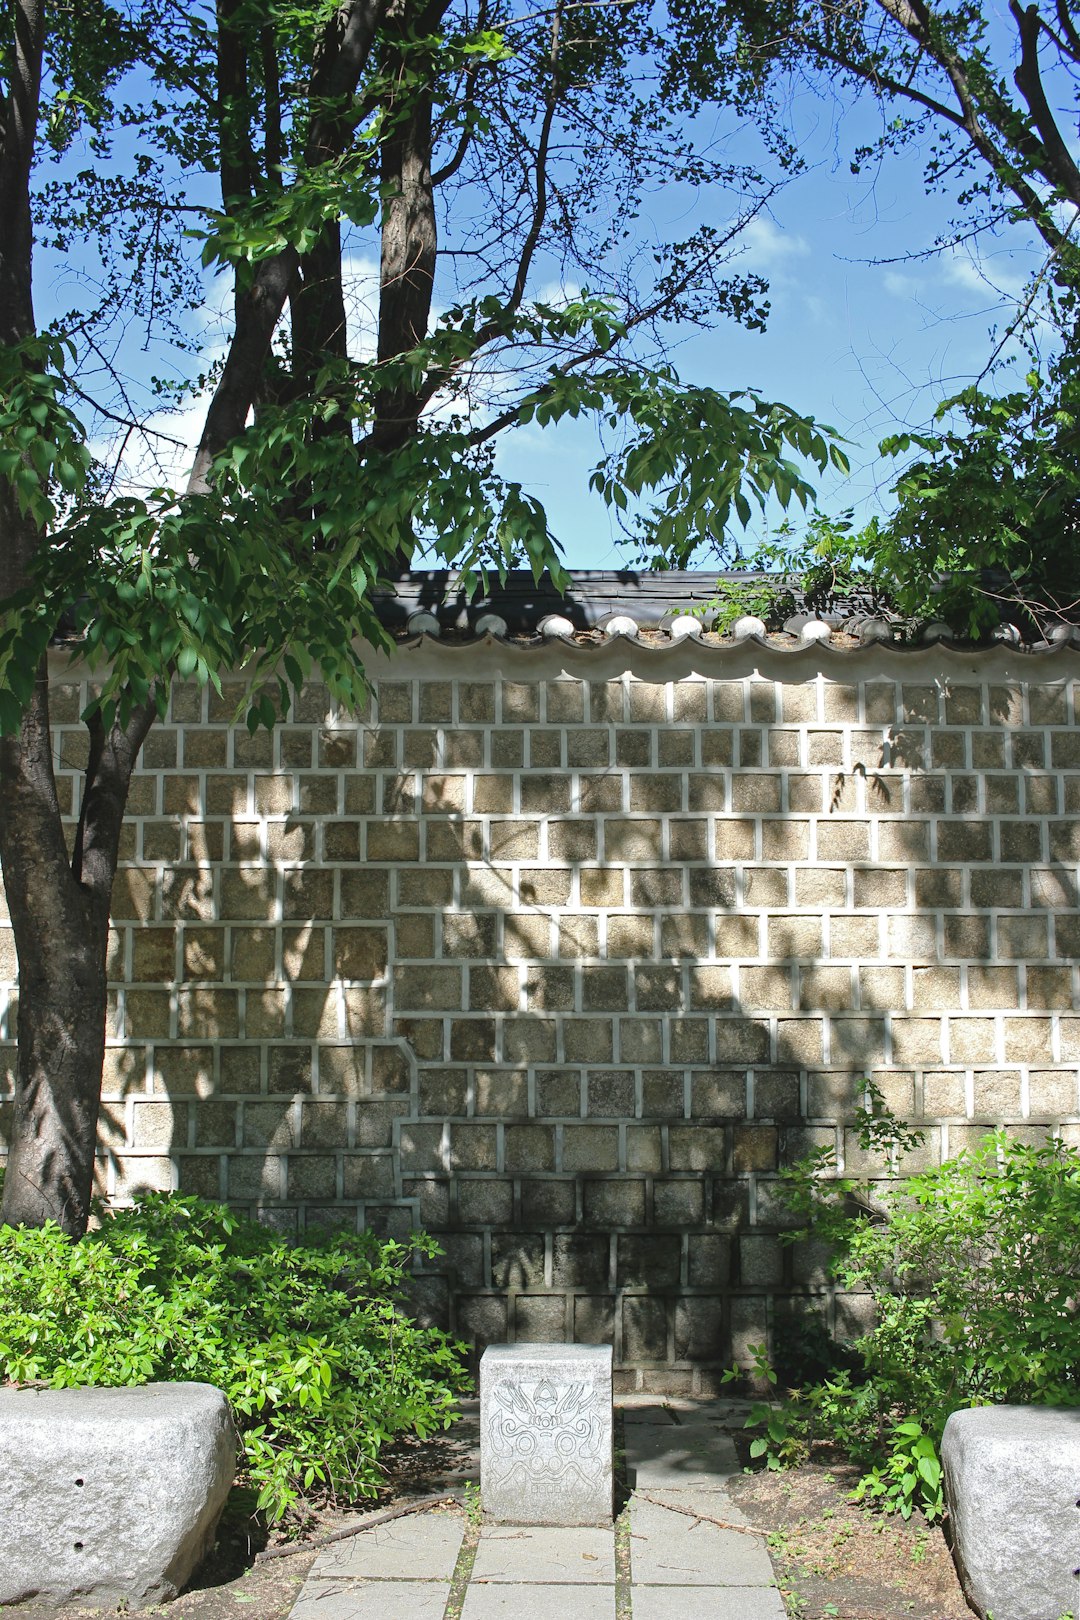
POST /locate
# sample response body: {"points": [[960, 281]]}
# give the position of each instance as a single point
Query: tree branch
{"points": [[1028, 79], [914, 17], [346, 48]]}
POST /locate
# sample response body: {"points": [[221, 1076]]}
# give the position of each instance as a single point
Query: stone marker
{"points": [[1012, 1483], [546, 1433], [110, 1493]]}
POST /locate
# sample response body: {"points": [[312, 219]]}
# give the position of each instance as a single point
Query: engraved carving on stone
{"points": [[546, 1442]]}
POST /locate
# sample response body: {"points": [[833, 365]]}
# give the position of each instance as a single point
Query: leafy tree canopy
{"points": [[471, 151], [986, 513]]}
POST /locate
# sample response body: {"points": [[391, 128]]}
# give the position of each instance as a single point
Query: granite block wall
{"points": [[561, 953]]}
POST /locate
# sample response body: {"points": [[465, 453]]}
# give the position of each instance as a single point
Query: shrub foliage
{"points": [[973, 1267], [308, 1340]]}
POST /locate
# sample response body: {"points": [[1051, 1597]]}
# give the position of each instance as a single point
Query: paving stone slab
{"points": [[537, 1603], [707, 1603], [658, 1415], [371, 1600], [423, 1546], [546, 1555], [684, 1455], [711, 1501], [668, 1549]]}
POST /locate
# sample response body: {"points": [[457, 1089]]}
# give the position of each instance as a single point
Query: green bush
{"points": [[307, 1340], [974, 1269]]}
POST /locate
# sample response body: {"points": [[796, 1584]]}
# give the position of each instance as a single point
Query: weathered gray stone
{"points": [[423, 1547], [1012, 1481], [538, 1602], [546, 1433], [371, 1600], [708, 1603], [110, 1493], [546, 1555], [690, 1454], [671, 1549]]}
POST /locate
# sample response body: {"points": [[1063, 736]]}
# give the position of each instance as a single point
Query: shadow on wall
{"points": [[572, 1015]]}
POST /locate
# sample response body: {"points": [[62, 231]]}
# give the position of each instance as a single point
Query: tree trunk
{"points": [[59, 907]]}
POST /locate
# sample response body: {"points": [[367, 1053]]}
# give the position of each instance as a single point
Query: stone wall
{"points": [[562, 952]]}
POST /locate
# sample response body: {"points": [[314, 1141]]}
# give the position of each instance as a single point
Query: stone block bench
{"points": [[1012, 1484], [546, 1434], [110, 1493]]}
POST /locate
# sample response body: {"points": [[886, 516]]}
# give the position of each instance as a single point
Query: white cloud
{"points": [[982, 278], [900, 286], [770, 249]]}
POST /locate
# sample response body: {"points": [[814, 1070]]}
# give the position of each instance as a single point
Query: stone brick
{"points": [[936, 988], [473, 1147], [640, 1040], [1052, 1093], [663, 1092], [1028, 1040], [648, 1261], [1050, 988], [540, 1319], [472, 1040], [604, 887], [589, 1148], [766, 989], [630, 936], [588, 1040], [614, 1204], [529, 1040], [684, 937], [547, 1202], [697, 1147], [517, 1261], [993, 987], [538, 887], [529, 1148], [551, 988], [610, 1094], [776, 1095], [645, 1329], [482, 1319], [644, 1148], [578, 937], [678, 1203], [799, 1040], [578, 1261], [427, 987], [997, 1094], [917, 1040], [761, 1260], [754, 1147], [712, 987], [657, 888], [485, 1202]]}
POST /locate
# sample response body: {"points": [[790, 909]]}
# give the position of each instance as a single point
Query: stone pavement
{"points": [[666, 1558]]}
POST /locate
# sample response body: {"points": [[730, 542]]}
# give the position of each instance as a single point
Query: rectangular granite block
{"points": [[546, 1433]]}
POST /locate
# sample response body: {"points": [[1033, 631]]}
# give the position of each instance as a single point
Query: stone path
{"points": [[663, 1560]]}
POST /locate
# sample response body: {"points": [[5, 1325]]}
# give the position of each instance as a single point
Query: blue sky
{"points": [[862, 335]]}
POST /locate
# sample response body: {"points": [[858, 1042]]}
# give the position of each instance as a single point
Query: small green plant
{"points": [[972, 1268], [308, 1340], [770, 600]]}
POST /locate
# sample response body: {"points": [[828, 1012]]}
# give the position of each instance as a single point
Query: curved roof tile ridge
{"points": [[664, 608]]}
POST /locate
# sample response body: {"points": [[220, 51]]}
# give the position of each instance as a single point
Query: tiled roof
{"points": [[658, 610]]}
